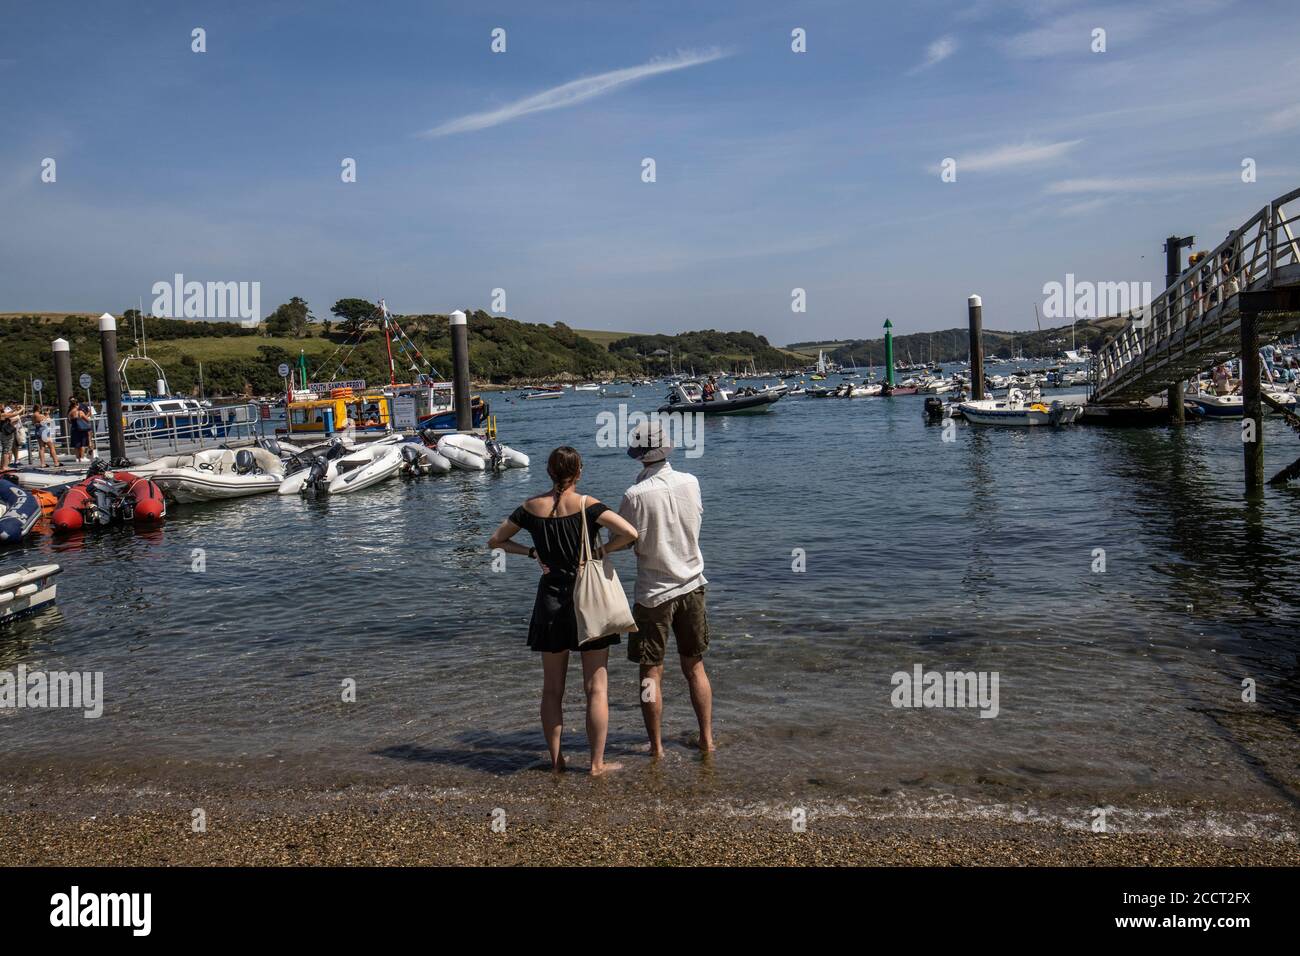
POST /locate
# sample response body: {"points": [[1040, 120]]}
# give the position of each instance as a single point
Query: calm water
{"points": [[976, 554]]}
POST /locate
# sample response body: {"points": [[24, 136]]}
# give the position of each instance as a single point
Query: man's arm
{"points": [[629, 512]]}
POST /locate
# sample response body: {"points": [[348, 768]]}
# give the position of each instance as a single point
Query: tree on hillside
{"points": [[291, 318], [355, 314]]}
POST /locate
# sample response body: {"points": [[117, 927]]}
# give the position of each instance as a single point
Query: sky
{"points": [[524, 170]]}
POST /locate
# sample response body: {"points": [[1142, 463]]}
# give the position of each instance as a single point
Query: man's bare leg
{"points": [[701, 698], [555, 668], [652, 705], [595, 681]]}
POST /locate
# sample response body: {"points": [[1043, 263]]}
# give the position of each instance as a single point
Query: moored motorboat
{"points": [[106, 497], [27, 590], [531, 396], [470, 453], [365, 467], [19, 511], [220, 473], [1019, 408]]}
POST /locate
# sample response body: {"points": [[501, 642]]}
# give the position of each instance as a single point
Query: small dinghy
{"points": [[471, 453], [220, 473], [419, 459], [27, 590], [106, 498], [19, 512], [365, 467], [313, 469], [549, 393]]}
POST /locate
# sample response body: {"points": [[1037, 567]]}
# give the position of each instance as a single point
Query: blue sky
{"points": [[775, 169]]}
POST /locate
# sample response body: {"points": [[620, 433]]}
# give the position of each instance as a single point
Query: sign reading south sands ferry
{"points": [[325, 388]]}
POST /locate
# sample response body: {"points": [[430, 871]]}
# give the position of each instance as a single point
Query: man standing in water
{"points": [[664, 506]]}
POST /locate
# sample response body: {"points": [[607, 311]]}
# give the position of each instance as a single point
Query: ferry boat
{"points": [[367, 413]]}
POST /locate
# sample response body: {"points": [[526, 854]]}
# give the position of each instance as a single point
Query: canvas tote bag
{"points": [[599, 603]]}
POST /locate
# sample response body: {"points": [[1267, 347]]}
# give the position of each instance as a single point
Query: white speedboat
{"points": [[365, 467], [218, 473], [587, 387], [1232, 406], [532, 396], [1019, 408], [27, 590]]}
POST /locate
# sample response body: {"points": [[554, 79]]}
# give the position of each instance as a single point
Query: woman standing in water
{"points": [[554, 520]]}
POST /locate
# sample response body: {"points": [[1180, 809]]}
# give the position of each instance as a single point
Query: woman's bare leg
{"points": [[555, 668], [595, 681]]}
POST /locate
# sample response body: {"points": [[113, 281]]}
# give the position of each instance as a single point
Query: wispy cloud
{"points": [[1288, 118], [574, 92], [1013, 155], [936, 52], [1138, 184]]}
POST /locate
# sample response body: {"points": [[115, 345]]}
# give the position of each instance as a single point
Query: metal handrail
{"points": [[151, 435], [1247, 260]]}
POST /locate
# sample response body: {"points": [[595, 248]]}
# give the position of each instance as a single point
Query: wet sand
{"points": [[40, 825]]}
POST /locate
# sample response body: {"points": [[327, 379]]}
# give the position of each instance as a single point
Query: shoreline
{"points": [[113, 823]]}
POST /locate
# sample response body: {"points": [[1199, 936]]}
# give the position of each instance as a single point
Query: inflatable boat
{"points": [[19, 511], [365, 467], [313, 469], [419, 459], [27, 590], [471, 453], [688, 397], [220, 473], [105, 497]]}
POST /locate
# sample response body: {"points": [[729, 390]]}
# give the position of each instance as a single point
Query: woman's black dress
{"points": [[558, 541]]}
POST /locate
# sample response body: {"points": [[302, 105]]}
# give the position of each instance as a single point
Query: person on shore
{"points": [[554, 520], [79, 421], [664, 507], [44, 435], [10, 419]]}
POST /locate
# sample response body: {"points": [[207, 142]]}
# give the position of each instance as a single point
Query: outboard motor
{"points": [[412, 460], [496, 458], [271, 445], [430, 437], [1054, 413], [933, 410], [245, 463], [316, 479]]}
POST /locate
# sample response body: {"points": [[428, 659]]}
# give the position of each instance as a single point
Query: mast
{"points": [[388, 338]]}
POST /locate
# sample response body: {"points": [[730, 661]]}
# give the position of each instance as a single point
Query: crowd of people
{"points": [[18, 423]]}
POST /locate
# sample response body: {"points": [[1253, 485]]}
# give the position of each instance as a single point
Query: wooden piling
{"points": [[975, 316], [1252, 405]]}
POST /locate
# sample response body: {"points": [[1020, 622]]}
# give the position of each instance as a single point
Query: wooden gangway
{"points": [[1197, 321]]}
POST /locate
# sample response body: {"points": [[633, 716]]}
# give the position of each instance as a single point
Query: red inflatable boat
{"points": [[106, 497]]}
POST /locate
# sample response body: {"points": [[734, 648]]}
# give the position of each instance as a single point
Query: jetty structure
{"points": [[1217, 308]]}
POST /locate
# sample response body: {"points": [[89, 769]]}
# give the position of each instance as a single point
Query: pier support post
{"points": [[1252, 405], [62, 379], [975, 316], [460, 370], [112, 390], [1177, 413]]}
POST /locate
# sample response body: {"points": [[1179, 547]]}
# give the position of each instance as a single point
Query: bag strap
{"points": [[585, 553]]}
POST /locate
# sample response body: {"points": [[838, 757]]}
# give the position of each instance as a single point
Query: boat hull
{"points": [[744, 405]]}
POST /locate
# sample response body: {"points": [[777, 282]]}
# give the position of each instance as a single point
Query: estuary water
{"points": [[1124, 593]]}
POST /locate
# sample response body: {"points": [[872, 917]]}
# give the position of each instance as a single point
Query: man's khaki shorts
{"points": [[684, 615]]}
